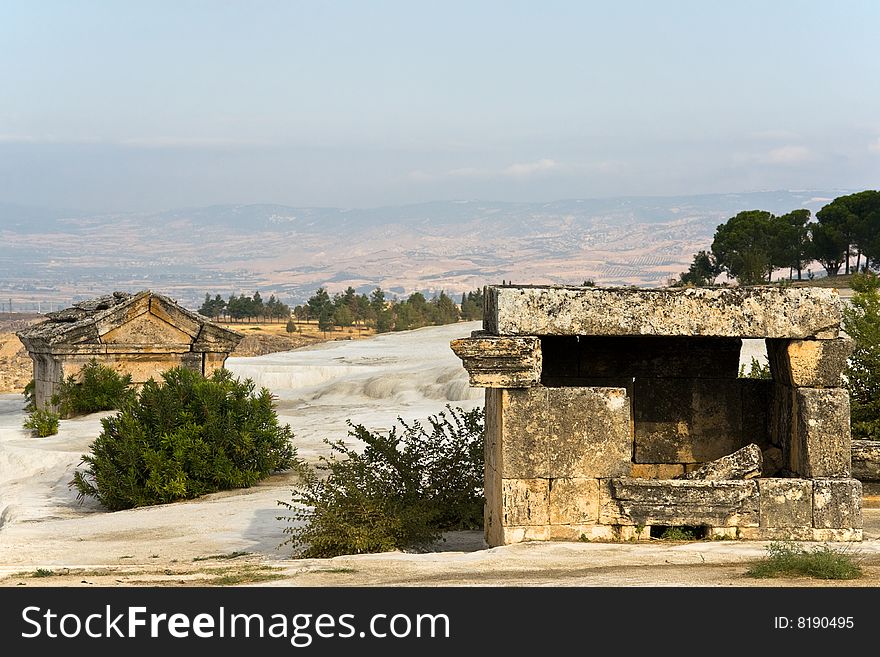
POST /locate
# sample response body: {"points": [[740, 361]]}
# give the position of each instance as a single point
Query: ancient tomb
{"points": [[142, 334], [618, 413]]}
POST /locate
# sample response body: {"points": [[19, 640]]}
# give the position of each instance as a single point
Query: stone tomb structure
{"points": [[142, 334], [614, 414]]}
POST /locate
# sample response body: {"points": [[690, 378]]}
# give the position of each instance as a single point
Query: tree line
{"points": [[349, 308], [352, 309], [754, 244], [245, 307]]}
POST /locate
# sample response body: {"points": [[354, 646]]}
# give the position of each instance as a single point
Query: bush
{"points": [[786, 559], [30, 402], [401, 492], [861, 321], [97, 388], [42, 423], [185, 437]]}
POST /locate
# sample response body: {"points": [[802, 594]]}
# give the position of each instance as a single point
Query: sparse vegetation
{"points": [[30, 403], [862, 323], [401, 492], [96, 388], [787, 559], [42, 572], [678, 534], [184, 437], [42, 423], [755, 371]]}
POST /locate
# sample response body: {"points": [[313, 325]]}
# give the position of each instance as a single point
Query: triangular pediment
{"points": [[146, 329]]}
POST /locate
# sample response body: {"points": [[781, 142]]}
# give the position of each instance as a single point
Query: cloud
{"points": [[530, 168], [788, 155]]}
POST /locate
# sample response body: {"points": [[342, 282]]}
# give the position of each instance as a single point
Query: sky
{"points": [[122, 106]]}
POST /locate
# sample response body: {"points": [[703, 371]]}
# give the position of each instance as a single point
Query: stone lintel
{"points": [[496, 362], [744, 312]]}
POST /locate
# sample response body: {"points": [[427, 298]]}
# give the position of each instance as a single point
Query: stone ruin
{"points": [[614, 414], [140, 334]]}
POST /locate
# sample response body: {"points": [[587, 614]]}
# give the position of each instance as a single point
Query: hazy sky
{"points": [[141, 106]]}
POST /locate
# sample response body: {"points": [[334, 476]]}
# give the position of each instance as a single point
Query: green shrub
{"points": [[96, 388], [861, 320], [30, 402], [42, 423], [185, 437], [786, 559], [401, 492]]}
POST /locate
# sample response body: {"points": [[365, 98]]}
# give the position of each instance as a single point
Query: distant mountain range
{"points": [[53, 257]]}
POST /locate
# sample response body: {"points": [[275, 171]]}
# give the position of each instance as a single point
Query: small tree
{"points": [[291, 326], [862, 323]]}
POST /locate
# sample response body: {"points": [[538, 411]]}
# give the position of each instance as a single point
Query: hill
{"points": [[456, 246]]}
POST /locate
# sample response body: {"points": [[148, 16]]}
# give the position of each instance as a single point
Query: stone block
{"points": [[580, 533], [866, 460], [831, 535], [657, 470], [744, 463], [525, 502], [820, 444], [786, 502], [500, 362], [809, 363], [520, 534], [837, 504], [517, 432], [627, 501], [782, 534], [589, 432], [574, 501], [686, 420], [739, 312]]}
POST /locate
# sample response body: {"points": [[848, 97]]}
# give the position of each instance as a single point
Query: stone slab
{"points": [[743, 312], [786, 502], [589, 432], [744, 463], [627, 501]]}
